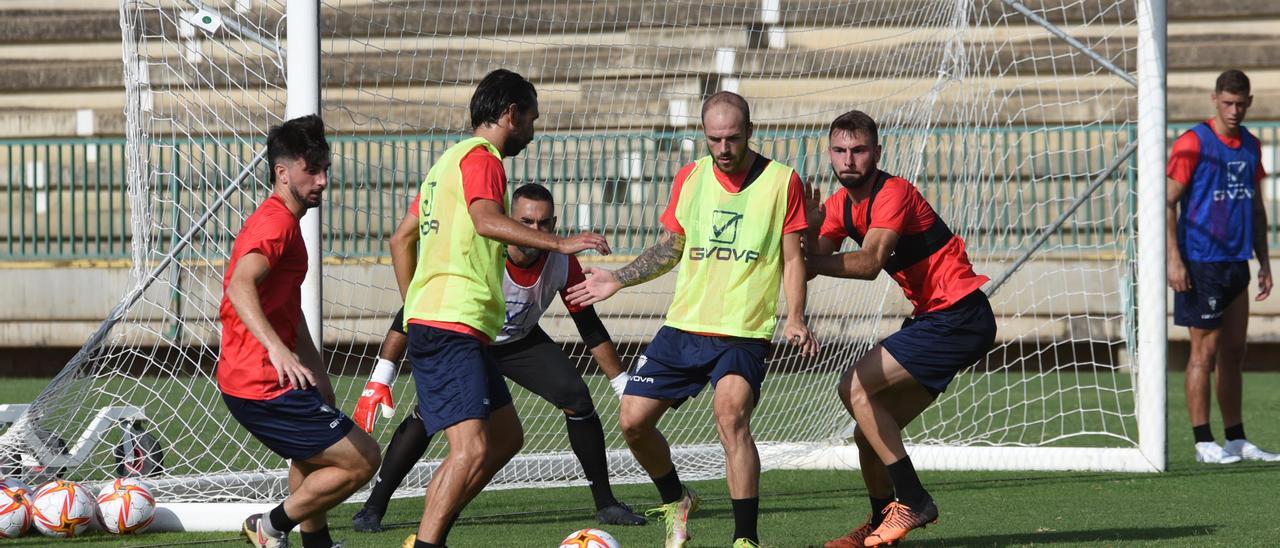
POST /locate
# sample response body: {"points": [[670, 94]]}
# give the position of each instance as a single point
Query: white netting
{"points": [[1001, 124]]}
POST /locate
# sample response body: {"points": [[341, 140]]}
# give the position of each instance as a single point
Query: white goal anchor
{"points": [[45, 455]]}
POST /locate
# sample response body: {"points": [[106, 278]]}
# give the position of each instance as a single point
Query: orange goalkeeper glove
{"points": [[377, 393]]}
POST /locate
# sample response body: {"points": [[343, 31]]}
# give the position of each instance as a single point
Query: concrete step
{"points": [[457, 17]]}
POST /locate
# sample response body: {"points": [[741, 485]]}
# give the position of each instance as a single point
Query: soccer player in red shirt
{"points": [[271, 376], [951, 327]]}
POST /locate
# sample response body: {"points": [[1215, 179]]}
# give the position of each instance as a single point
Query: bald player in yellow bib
{"points": [[736, 220]]}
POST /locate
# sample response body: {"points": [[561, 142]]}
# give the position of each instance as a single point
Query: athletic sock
{"points": [[317, 539], [404, 451], [669, 487], [1202, 433], [278, 522], [746, 513], [877, 509], [1235, 432], [425, 544], [586, 437], [906, 483]]}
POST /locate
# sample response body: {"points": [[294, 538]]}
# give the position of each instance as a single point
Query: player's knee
{"points": [[1231, 357], [578, 406], [860, 439], [633, 428], [733, 422], [368, 457], [852, 393]]}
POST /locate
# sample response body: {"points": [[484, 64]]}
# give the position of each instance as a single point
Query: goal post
{"points": [[1036, 129]]}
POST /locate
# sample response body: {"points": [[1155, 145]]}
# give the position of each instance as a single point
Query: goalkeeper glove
{"points": [[619, 383], [377, 393]]}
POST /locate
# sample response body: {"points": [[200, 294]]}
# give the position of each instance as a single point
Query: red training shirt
{"points": [[934, 283], [244, 369]]}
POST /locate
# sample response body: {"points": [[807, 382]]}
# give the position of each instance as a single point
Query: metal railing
{"points": [[67, 198]]}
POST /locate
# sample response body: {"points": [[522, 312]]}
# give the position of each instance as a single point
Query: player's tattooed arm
{"points": [[655, 261]]}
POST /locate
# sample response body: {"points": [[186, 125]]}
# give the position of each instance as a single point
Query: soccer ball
{"points": [[589, 538], [15, 512], [62, 509], [16, 486], [125, 507]]}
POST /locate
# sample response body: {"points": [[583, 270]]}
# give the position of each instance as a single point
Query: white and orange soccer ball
{"points": [[589, 538], [63, 509], [15, 512], [125, 507], [16, 485]]}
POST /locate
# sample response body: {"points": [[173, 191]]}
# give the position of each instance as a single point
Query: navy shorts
{"points": [[296, 425], [934, 346], [677, 364], [455, 376], [1213, 287]]}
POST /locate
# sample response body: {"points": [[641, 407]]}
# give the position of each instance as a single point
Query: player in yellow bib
{"points": [[448, 254], [736, 220]]}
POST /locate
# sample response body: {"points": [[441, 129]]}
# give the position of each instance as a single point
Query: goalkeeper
{"points": [[524, 354], [951, 327]]}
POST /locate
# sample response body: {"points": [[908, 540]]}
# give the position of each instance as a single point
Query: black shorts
{"points": [[295, 425], [539, 365], [1213, 287], [455, 376], [934, 346]]}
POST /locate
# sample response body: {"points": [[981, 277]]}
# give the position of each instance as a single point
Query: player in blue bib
{"points": [[1214, 194]]}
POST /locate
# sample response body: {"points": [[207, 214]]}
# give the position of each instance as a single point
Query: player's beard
{"points": [[304, 199], [531, 254], [856, 182]]}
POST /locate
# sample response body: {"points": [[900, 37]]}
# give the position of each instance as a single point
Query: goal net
{"points": [[1016, 120]]}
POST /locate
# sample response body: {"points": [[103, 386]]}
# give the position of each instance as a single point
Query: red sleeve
{"points": [[483, 177], [669, 216], [795, 221], [268, 238], [575, 277], [833, 223], [413, 205], [1183, 159], [890, 207]]}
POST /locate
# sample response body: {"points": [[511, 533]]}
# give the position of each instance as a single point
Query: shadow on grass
{"points": [[1052, 537], [1053, 478]]}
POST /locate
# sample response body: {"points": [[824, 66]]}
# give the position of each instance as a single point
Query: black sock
{"points": [[1202, 433], [317, 539], [425, 544], [405, 450], [1235, 432], [746, 512], [877, 509], [669, 487], [906, 483], [586, 437], [448, 526], [280, 521]]}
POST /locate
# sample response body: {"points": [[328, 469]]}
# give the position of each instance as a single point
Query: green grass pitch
{"points": [[1190, 505]]}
